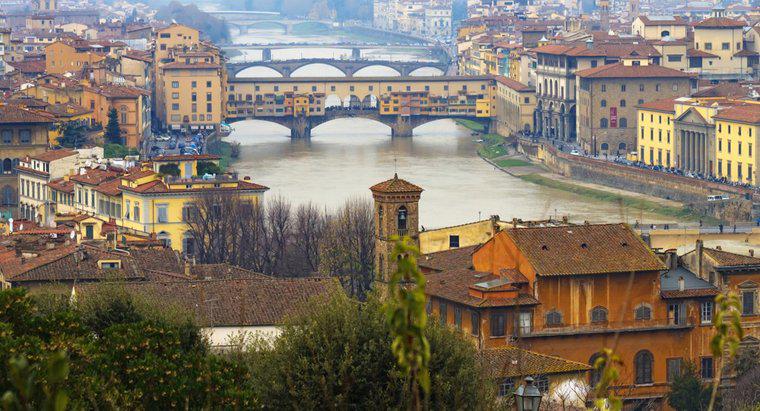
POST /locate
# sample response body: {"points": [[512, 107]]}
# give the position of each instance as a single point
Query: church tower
{"points": [[604, 14], [396, 212]]}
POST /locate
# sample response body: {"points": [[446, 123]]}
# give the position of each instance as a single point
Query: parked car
{"points": [[575, 152]]}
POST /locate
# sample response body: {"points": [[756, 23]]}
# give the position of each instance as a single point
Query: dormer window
{"points": [[109, 265]]}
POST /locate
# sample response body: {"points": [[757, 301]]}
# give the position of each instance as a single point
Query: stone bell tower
{"points": [[396, 213]]}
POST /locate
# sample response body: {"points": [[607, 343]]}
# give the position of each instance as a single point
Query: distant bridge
{"points": [[348, 67], [274, 99], [245, 20]]}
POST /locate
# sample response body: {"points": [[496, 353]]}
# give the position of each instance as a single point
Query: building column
{"points": [[681, 153], [697, 153], [687, 157]]}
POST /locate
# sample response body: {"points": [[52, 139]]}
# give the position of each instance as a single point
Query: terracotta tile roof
{"points": [[224, 272], [94, 176], [749, 113], [164, 259], [186, 157], [28, 102], [30, 170], [514, 84], [671, 21], [453, 285], [62, 185], [110, 187], [705, 292], [693, 286], [719, 22], [155, 186], [28, 67], [179, 65], [67, 110], [599, 50], [665, 105], [727, 259], [138, 175], [16, 115], [395, 185], [725, 90], [619, 70], [139, 55], [61, 264], [235, 302], [510, 361], [52, 155], [456, 258], [700, 53], [584, 249], [112, 90], [746, 53]]}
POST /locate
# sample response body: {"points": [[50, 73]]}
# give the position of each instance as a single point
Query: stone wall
{"points": [[691, 192]]}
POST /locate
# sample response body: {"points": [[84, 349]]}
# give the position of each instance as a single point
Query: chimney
{"points": [[719, 248], [590, 43], [681, 284], [699, 250]]}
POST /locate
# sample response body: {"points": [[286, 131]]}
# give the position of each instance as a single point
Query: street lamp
{"points": [[527, 396]]}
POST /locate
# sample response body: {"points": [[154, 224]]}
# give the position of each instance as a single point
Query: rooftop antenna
{"points": [[395, 165]]}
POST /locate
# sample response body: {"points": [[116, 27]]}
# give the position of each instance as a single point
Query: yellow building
{"points": [[192, 95], [656, 28], [656, 145], [62, 57], [724, 38], [67, 113], [169, 40], [515, 104], [736, 131]]}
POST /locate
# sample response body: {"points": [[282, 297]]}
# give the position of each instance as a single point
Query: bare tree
{"points": [[309, 229]]}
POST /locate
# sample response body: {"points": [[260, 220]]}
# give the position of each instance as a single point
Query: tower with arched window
{"points": [[396, 213]]}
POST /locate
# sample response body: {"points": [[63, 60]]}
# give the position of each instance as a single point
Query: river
{"points": [[346, 156]]}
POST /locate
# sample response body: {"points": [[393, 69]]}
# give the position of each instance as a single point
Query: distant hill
{"points": [[342, 9], [211, 27]]}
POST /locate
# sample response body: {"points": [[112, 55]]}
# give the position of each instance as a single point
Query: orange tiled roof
{"points": [[620, 70], [456, 258], [110, 187], [725, 258], [454, 284], [52, 155], [94, 176], [514, 84], [28, 67], [719, 22], [585, 249], [62, 185], [395, 185], [749, 113], [16, 115], [510, 361], [673, 21], [699, 53], [667, 105]]}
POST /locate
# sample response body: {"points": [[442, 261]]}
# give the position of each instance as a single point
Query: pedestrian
{"points": [[734, 228], [700, 223], [720, 227]]}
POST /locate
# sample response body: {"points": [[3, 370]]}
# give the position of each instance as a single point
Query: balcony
{"points": [[612, 327]]}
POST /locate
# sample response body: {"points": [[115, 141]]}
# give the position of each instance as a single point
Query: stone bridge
{"points": [[243, 20], [401, 126], [348, 67]]}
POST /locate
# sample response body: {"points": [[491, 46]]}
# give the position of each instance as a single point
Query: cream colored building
{"points": [[723, 38], [659, 27], [515, 106], [34, 173]]}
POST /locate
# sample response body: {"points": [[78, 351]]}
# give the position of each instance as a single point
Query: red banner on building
{"points": [[613, 117]]}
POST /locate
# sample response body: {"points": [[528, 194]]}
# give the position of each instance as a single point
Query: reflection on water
{"points": [[345, 157]]}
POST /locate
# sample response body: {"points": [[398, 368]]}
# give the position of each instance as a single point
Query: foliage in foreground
{"points": [[113, 350]]}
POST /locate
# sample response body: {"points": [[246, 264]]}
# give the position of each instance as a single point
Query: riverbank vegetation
{"points": [[112, 349], [640, 204]]}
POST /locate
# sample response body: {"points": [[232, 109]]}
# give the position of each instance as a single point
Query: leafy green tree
{"points": [[687, 392], [170, 169], [113, 130], [118, 151], [30, 390], [728, 335], [71, 135], [207, 167]]}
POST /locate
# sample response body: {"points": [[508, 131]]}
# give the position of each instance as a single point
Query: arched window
{"points": [[165, 238], [621, 146], [506, 387], [123, 116], [553, 318], [664, 33], [599, 315], [596, 372], [380, 220], [401, 218], [603, 123], [605, 146], [642, 312], [623, 122], [643, 364], [622, 103], [604, 103], [7, 166]]}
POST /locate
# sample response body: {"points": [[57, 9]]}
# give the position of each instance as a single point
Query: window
{"points": [[498, 323], [524, 322], [675, 87], [622, 103], [401, 218], [553, 318], [428, 306], [208, 84], [603, 123], [593, 64], [442, 312], [623, 122], [7, 136], [706, 312], [725, 46], [673, 366], [622, 87], [136, 212], [706, 368], [506, 387], [453, 241], [641, 87], [458, 317], [748, 302], [643, 364], [175, 106], [194, 84], [604, 88], [175, 95], [604, 103], [110, 265], [475, 323], [175, 84], [599, 315], [676, 314], [209, 107], [25, 136], [642, 312], [708, 46], [163, 213], [673, 58]]}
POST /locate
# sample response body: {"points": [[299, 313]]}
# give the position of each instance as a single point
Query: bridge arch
{"points": [[265, 25], [328, 70], [426, 71], [333, 100], [376, 70], [258, 71]]}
